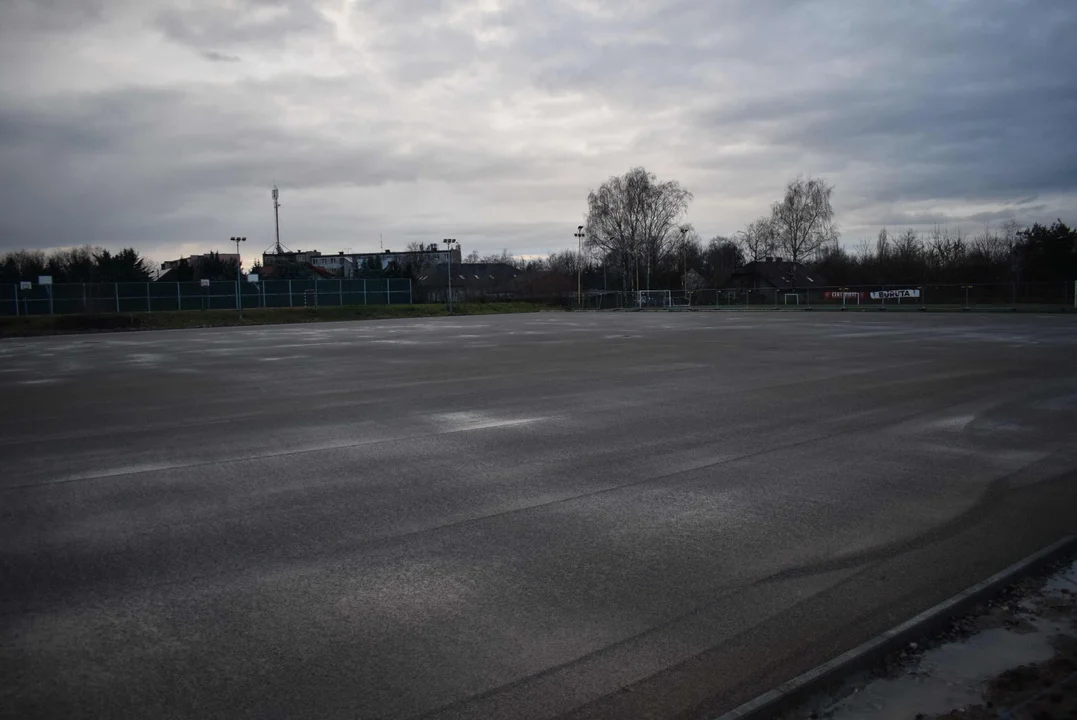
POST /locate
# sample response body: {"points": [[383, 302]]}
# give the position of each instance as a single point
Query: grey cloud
{"points": [[241, 22], [214, 56], [145, 152], [958, 110], [904, 106], [50, 16], [901, 219]]}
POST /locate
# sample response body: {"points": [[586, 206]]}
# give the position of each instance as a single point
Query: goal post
{"points": [[655, 298]]}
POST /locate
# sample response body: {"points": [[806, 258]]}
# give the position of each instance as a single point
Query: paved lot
{"points": [[581, 515]]}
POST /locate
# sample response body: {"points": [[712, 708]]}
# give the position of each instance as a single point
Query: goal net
{"points": [[655, 298]]}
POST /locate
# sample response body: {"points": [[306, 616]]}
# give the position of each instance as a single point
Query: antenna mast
{"points": [[276, 217]]}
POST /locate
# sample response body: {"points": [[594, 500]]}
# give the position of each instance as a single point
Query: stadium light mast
{"points": [[684, 256], [449, 242], [239, 273], [276, 217], [579, 266]]}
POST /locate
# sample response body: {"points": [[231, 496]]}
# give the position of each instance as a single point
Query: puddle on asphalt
{"points": [[948, 677], [956, 674]]}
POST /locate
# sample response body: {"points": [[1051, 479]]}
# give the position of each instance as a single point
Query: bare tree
{"points": [[882, 245], [863, 251], [721, 258], [505, 257], [1011, 234], [757, 239], [908, 246], [804, 219], [1011, 239], [634, 219], [996, 247], [947, 253]]}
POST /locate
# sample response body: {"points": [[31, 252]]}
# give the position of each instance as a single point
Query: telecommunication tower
{"points": [[276, 217]]}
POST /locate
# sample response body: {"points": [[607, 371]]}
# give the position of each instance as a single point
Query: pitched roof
{"points": [[778, 273], [464, 274]]}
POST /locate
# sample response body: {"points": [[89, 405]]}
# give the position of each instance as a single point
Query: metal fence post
{"points": [[388, 293], [340, 290], [179, 298], [411, 300], [51, 308], [116, 291], [16, 299], [364, 291], [149, 302], [290, 304]]}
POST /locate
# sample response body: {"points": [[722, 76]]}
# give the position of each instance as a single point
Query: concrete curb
{"points": [[789, 694]]}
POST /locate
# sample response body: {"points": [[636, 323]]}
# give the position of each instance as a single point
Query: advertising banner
{"points": [[887, 294]]}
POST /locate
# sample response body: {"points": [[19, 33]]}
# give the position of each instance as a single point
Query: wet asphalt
{"points": [[528, 516]]}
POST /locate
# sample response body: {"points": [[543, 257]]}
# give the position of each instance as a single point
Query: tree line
{"points": [[636, 238], [636, 234], [1037, 254], [75, 265], [210, 266], [635, 226]]}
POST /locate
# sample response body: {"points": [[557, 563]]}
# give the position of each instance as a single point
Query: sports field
{"points": [[520, 516]]}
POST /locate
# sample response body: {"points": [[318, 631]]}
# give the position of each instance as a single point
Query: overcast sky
{"points": [[163, 125]]}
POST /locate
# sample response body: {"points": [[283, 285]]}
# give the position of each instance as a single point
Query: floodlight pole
{"points": [[239, 273], [579, 267], [449, 244], [684, 258]]}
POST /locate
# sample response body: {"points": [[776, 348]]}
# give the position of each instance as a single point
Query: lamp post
{"points": [[579, 266], [684, 258], [239, 272], [449, 242]]}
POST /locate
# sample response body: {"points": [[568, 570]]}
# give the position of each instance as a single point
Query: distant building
{"points": [[339, 265], [301, 257], [774, 273], [351, 264], [492, 281], [347, 265], [208, 265], [195, 261]]}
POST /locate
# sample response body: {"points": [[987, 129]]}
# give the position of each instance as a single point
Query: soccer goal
{"points": [[795, 297], [655, 298]]}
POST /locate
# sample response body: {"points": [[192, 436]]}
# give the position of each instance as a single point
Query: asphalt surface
{"points": [[531, 516]]}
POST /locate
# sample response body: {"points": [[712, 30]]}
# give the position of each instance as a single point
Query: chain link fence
{"points": [[1047, 296], [79, 298]]}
